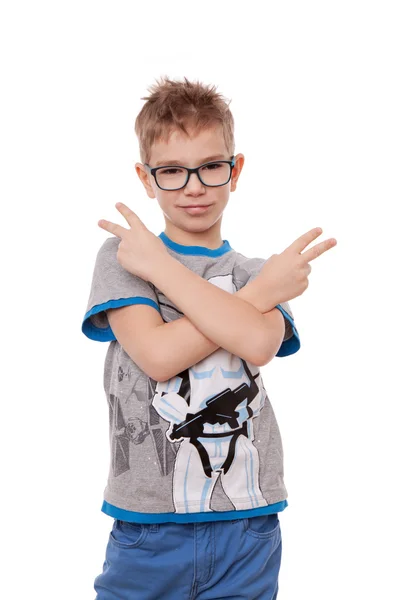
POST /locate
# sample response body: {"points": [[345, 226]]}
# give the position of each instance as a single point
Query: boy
{"points": [[196, 473]]}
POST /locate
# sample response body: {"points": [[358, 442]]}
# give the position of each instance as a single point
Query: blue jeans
{"points": [[237, 560]]}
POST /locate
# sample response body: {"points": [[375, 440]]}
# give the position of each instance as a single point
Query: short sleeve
{"points": [[245, 272], [112, 287]]}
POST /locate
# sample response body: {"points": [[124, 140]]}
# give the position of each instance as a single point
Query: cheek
{"points": [[167, 199], [223, 194]]}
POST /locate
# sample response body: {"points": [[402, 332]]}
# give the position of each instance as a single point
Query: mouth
{"points": [[196, 208]]}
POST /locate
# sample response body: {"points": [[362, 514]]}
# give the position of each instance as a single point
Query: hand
{"points": [[285, 275], [140, 251]]}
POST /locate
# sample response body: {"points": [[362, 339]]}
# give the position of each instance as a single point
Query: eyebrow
{"points": [[177, 162]]}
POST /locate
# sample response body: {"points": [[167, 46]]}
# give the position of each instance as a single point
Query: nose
{"points": [[194, 186]]}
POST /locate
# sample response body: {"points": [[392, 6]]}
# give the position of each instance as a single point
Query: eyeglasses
{"points": [[175, 177]]}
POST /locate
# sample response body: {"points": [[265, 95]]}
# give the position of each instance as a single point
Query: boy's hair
{"points": [[182, 105]]}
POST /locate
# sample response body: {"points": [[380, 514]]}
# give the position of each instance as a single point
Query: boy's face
{"points": [[205, 146]]}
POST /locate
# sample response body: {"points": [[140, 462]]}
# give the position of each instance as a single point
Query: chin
{"points": [[194, 227]]}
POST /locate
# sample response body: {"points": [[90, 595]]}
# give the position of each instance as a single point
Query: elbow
{"points": [[158, 369], [151, 370], [264, 357], [156, 372], [268, 353], [271, 338], [149, 364], [160, 377], [260, 355], [155, 376]]}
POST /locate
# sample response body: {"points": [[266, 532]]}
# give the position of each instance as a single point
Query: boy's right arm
{"points": [[163, 350]]}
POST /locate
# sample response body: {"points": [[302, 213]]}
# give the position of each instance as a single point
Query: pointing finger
{"points": [[319, 249], [303, 241], [113, 228], [128, 214]]}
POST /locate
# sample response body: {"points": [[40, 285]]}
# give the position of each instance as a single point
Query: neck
{"points": [[211, 238]]}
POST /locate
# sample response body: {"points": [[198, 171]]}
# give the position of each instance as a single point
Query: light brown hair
{"points": [[181, 105]]}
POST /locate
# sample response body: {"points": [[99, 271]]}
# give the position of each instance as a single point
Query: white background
{"points": [[317, 96]]}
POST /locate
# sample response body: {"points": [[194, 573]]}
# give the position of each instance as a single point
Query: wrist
{"points": [[258, 295], [159, 268]]}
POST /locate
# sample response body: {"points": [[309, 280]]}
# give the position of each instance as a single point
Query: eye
{"points": [[170, 171], [213, 166]]}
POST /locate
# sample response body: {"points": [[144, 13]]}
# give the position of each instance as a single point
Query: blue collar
{"points": [[195, 250]]}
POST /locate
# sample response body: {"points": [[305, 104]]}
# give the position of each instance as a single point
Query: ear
{"points": [[145, 179], [236, 171]]}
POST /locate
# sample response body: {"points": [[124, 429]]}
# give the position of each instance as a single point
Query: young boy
{"points": [[196, 472]]}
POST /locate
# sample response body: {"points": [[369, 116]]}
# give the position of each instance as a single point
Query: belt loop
{"points": [[154, 527]]}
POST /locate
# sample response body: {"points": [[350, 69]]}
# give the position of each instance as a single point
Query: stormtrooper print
{"points": [[210, 409]]}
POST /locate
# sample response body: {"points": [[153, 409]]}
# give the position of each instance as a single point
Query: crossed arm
{"points": [[244, 323], [213, 319]]}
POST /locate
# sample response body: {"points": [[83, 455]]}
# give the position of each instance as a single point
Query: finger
{"points": [[117, 230], [128, 214], [319, 249], [302, 242]]}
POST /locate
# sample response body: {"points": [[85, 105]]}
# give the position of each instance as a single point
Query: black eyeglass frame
{"points": [[154, 170]]}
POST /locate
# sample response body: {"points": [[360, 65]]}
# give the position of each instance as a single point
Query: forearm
{"points": [[224, 318], [180, 345]]}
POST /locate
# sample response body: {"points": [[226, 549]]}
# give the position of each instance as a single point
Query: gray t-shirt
{"points": [[204, 445]]}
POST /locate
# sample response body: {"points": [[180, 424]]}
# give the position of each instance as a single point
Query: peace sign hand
{"points": [[285, 276], [140, 251]]}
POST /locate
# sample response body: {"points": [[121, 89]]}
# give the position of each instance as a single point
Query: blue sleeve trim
{"points": [[105, 334], [128, 515], [292, 345]]}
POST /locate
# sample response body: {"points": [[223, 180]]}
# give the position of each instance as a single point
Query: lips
{"points": [[196, 209]]}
